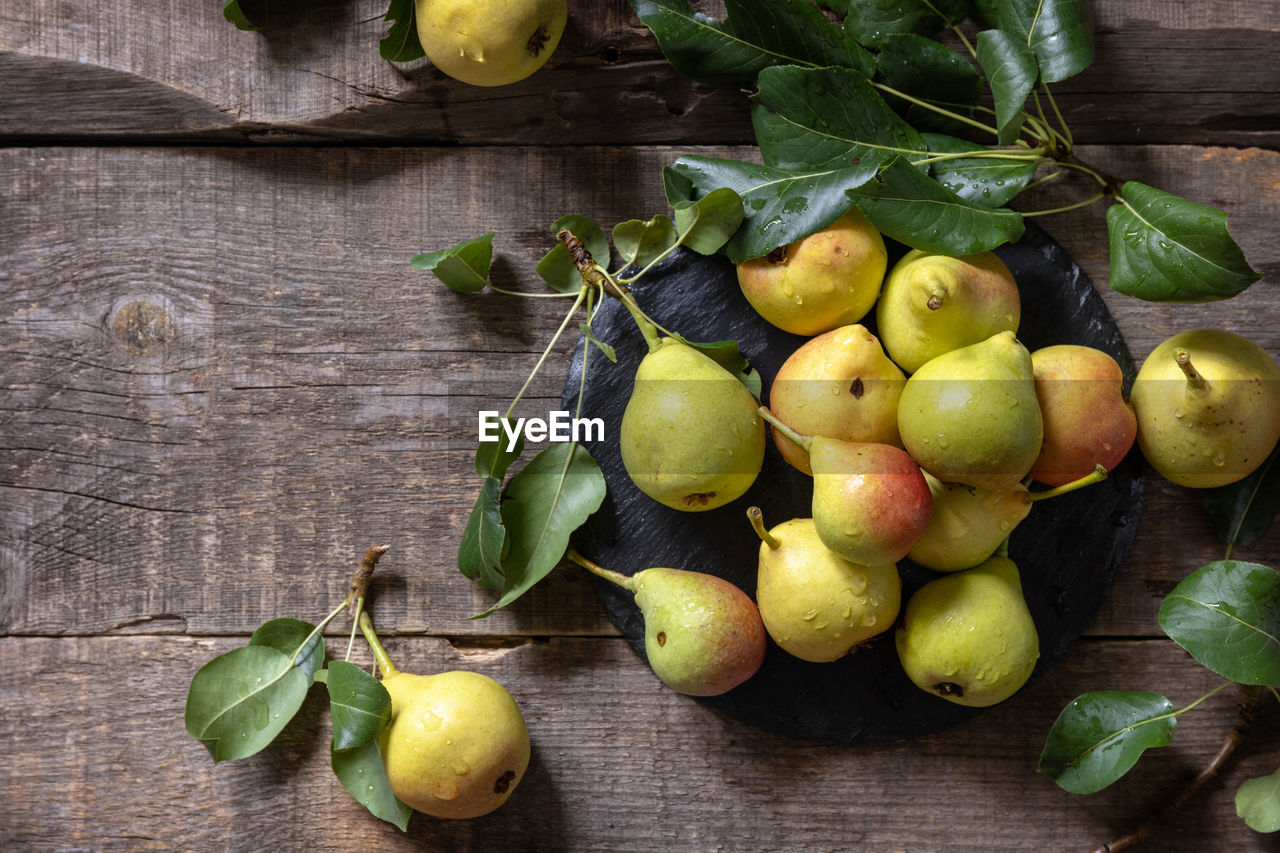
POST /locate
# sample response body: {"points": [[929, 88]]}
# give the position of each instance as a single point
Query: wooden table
{"points": [[223, 382]]}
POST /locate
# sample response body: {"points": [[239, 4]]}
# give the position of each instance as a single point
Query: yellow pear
{"points": [[490, 42], [820, 282], [838, 385], [1208, 407], [968, 524], [933, 304], [815, 604], [969, 637], [690, 437]]}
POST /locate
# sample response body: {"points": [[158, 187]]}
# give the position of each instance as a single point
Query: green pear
{"points": [[870, 501], [933, 304], [690, 436], [815, 604], [971, 415], [489, 42], [456, 745], [820, 282], [839, 385], [703, 635], [968, 524], [1208, 407], [969, 637]]}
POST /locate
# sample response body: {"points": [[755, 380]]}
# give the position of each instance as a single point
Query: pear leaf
{"points": [[361, 772], [297, 639], [753, 35], [233, 13], [549, 499], [493, 458], [1167, 249], [559, 271], [826, 118], [1242, 511], [1011, 70], [727, 355], [557, 267], [986, 181], [239, 701], [401, 43], [608, 350], [1100, 736], [1227, 616], [873, 22], [707, 224], [589, 234], [906, 204], [1258, 803], [484, 540], [1058, 32], [779, 207], [641, 243], [933, 72], [359, 704], [463, 268]]}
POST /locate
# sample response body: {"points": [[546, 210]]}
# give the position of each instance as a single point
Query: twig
{"points": [[1247, 714], [360, 583]]}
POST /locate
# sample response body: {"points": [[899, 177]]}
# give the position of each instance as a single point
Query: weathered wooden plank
{"points": [[620, 763], [301, 392], [318, 75]]}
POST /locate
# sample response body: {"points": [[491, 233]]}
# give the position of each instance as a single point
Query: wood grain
{"points": [[619, 763], [223, 380], [314, 73]]}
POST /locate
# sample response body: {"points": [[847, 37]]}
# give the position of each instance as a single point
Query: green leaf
{"points": [[493, 458], [549, 499], [727, 355], [1058, 32], [826, 118], [589, 234], [1242, 511], [401, 42], [641, 243], [707, 224], [608, 350], [361, 772], [295, 638], [1168, 249], [463, 268], [753, 35], [484, 540], [557, 267], [1227, 616], [233, 13], [559, 271], [1099, 736], [932, 72], [1011, 70], [239, 701], [359, 704], [1258, 802], [779, 207], [872, 22], [909, 206], [985, 181]]}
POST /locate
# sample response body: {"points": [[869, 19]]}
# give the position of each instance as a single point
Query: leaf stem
{"points": [[351, 642], [582, 294], [973, 51], [523, 295], [1066, 131], [1096, 197], [889, 90], [1046, 179], [997, 154], [379, 653], [316, 630]]}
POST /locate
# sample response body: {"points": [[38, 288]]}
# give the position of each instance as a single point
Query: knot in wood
{"points": [[143, 329]]}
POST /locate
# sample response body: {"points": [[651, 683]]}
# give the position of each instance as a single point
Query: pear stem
{"points": [[757, 521], [1183, 358], [379, 653], [647, 328], [1097, 476], [804, 441], [600, 571]]}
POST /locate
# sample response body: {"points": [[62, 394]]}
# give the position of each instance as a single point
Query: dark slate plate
{"points": [[1069, 549]]}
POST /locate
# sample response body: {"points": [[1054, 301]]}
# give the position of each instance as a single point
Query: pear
{"points": [[820, 282], [839, 385], [690, 436], [971, 415], [969, 637], [703, 635], [1208, 407], [968, 524], [815, 604], [933, 304], [870, 501], [1087, 421], [456, 746], [490, 42]]}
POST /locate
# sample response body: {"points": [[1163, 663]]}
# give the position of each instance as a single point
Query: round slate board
{"points": [[1068, 550]]}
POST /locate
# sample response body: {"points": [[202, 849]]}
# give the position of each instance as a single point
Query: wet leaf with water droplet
{"points": [[1100, 736], [361, 772]]}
